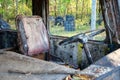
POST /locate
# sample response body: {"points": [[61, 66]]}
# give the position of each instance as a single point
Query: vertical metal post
{"points": [[119, 4], [93, 15]]}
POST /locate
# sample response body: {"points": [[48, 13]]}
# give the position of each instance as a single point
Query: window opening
{"points": [[70, 17]]}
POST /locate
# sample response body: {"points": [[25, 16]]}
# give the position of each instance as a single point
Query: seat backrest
{"points": [[32, 35]]}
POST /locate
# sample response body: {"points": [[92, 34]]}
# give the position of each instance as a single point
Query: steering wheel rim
{"points": [[83, 38], [79, 37]]}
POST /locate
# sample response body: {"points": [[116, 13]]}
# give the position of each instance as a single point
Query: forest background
{"points": [[80, 9]]}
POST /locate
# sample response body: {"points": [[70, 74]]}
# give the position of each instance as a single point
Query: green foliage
{"points": [[80, 9], [23, 9], [10, 8], [70, 7]]}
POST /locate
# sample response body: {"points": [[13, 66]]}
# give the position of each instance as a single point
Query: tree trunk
{"points": [[76, 8], [55, 9], [82, 9], [16, 10], [26, 2]]}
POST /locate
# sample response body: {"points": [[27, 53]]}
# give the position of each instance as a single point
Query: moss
{"points": [[79, 57]]}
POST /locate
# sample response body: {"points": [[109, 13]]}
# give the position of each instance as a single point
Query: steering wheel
{"points": [[83, 38]]}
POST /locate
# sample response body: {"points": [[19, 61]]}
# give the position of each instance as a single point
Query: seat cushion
{"points": [[32, 35]]}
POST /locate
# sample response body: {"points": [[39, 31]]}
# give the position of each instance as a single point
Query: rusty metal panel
{"points": [[111, 16], [111, 60], [112, 75], [8, 39], [107, 68]]}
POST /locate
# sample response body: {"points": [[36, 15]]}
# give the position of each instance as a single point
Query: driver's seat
{"points": [[32, 35]]}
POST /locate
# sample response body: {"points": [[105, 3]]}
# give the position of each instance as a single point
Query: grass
{"points": [[60, 31]]}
